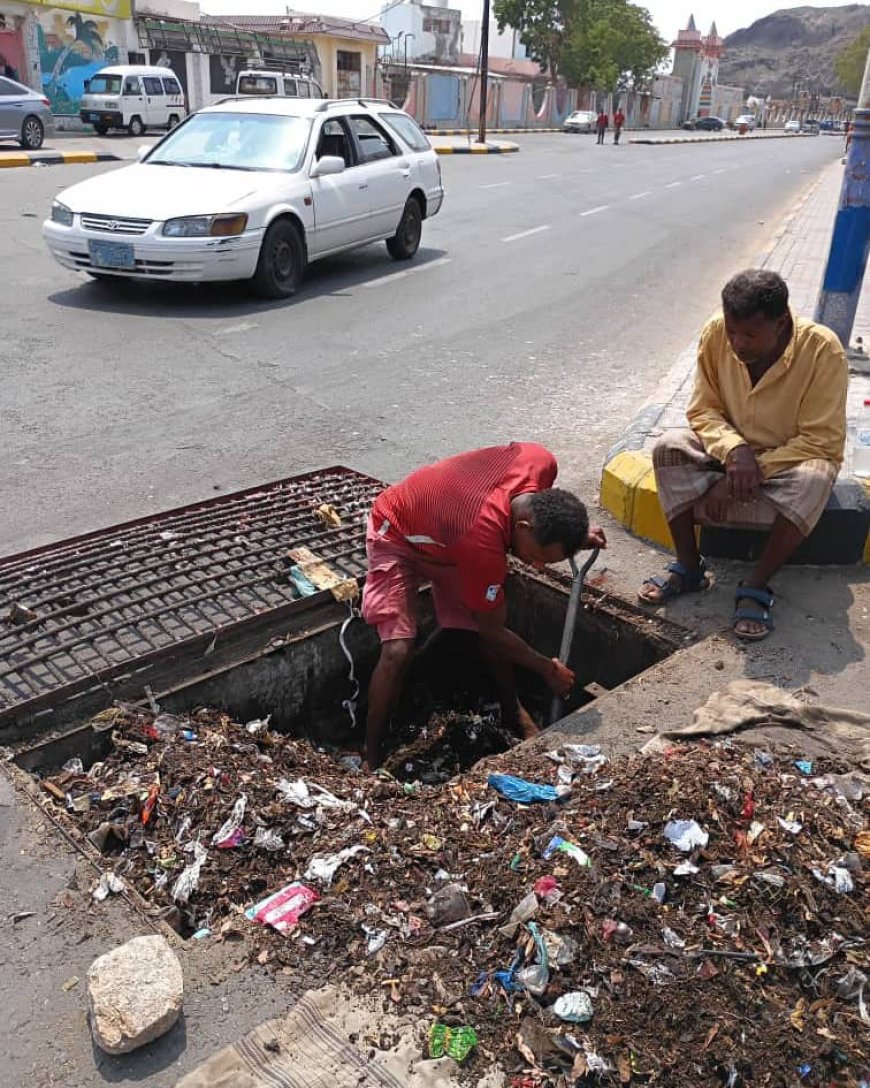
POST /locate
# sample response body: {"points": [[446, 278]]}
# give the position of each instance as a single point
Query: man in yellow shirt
{"points": [[768, 427]]}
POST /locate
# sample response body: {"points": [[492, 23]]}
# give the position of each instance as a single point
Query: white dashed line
{"points": [[697, 177], [496, 185], [231, 330], [393, 276], [673, 185], [595, 211], [640, 196], [547, 177], [525, 233], [721, 170]]}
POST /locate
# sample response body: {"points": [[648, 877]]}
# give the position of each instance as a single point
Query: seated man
{"points": [[768, 426], [452, 524]]}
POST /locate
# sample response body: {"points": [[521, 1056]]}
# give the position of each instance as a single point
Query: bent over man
{"points": [[453, 524]]}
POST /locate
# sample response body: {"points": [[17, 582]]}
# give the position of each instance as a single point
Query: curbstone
{"points": [[651, 140], [477, 149], [59, 158], [492, 131]]}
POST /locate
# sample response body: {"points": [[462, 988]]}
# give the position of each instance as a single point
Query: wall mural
{"points": [[72, 48]]}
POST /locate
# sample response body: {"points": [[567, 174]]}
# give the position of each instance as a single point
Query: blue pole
{"points": [[850, 242]]}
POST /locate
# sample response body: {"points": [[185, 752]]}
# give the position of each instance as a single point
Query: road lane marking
{"points": [[697, 177], [393, 276], [673, 185], [640, 196], [595, 211], [546, 177], [496, 185], [525, 233], [721, 170]]}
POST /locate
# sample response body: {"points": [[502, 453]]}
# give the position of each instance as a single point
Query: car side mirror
{"points": [[142, 151], [329, 164]]}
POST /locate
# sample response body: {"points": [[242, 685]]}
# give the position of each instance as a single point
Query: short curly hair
{"points": [[558, 517], [755, 291]]}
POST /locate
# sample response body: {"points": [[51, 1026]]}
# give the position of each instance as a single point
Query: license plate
{"points": [[112, 255], [94, 117]]}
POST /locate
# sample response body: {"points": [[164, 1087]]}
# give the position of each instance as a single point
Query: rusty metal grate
{"points": [[139, 591]]}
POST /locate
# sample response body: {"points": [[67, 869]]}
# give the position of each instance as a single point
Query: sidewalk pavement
{"points": [[628, 488]]}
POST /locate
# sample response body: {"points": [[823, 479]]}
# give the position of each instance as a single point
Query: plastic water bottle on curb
{"points": [[861, 448]]}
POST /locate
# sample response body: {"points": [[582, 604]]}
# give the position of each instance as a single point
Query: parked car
{"points": [[810, 127], [580, 121], [25, 115], [792, 126], [747, 119], [266, 82], [254, 189], [134, 97], [706, 124]]}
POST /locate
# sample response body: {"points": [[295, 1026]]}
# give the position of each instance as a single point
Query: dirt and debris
{"points": [[700, 920]]}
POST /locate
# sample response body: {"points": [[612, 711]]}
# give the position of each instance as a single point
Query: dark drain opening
{"points": [[448, 717]]}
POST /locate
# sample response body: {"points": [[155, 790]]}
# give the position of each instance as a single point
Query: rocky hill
{"points": [[797, 45]]}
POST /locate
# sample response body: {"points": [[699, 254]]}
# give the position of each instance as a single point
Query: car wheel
{"points": [[101, 129], [406, 241], [32, 133], [174, 119], [136, 128], [281, 262]]}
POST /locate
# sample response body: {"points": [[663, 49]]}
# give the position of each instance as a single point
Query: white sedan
{"points": [[254, 189]]}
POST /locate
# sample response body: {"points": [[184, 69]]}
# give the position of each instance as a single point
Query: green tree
{"points": [[608, 44], [849, 64]]}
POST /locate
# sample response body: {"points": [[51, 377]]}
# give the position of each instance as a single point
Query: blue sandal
{"points": [[765, 598], [692, 581]]}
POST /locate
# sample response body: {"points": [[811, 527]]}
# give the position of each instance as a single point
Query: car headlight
{"points": [[205, 226], [60, 213]]}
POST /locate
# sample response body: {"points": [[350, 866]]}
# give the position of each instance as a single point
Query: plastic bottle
{"points": [[861, 448]]}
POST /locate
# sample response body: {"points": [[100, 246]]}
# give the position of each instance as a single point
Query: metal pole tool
{"points": [[571, 621]]}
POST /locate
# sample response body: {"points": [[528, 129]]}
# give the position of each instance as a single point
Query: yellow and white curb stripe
{"points": [[55, 158]]}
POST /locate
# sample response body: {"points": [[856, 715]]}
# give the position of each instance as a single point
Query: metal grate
{"points": [[87, 609], [114, 224]]}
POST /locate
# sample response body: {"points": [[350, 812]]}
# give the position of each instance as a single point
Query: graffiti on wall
{"points": [[72, 48]]}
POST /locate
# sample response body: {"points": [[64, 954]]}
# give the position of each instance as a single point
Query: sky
{"points": [[668, 15]]}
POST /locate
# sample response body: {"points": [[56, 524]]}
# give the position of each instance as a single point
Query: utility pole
{"points": [[850, 241], [484, 71]]}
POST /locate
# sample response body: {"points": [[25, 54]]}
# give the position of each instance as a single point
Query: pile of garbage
{"points": [[691, 918]]}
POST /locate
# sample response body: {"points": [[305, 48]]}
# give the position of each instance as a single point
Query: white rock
{"points": [[135, 993]]}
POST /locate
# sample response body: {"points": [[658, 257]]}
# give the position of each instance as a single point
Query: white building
{"points": [[505, 44], [427, 33]]}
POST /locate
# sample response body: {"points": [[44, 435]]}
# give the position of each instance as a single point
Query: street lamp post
{"points": [[850, 241], [408, 35]]}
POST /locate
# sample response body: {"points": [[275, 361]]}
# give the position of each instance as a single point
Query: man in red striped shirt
{"points": [[453, 524]]}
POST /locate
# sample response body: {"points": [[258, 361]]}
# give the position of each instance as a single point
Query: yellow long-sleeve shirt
{"points": [[796, 412]]}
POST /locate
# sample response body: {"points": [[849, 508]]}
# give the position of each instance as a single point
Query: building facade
{"points": [[424, 33], [696, 65]]}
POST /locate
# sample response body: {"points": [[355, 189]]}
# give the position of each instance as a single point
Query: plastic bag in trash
{"points": [[109, 884], [523, 792], [230, 833], [189, 878], [266, 838], [524, 911], [575, 1007], [324, 868], [686, 835], [457, 1043], [565, 846], [283, 909]]}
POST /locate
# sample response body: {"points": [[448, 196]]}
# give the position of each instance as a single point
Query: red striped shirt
{"points": [[457, 512]]}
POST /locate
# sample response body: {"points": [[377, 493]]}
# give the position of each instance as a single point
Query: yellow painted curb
{"points": [[443, 150], [79, 156], [628, 492], [14, 160]]}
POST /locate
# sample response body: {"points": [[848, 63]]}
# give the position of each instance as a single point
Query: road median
{"points": [[10, 160], [491, 147], [719, 137]]}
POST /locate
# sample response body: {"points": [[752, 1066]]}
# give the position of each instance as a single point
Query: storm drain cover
{"points": [[82, 611]]}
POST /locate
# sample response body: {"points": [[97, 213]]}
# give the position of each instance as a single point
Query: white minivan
{"points": [[282, 84], [134, 97]]}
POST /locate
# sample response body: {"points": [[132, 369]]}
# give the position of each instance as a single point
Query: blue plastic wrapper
{"points": [[524, 793]]}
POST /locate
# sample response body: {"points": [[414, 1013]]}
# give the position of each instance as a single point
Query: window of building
{"points": [[349, 72]]}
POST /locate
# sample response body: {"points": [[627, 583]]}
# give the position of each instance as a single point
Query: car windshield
{"points": [[235, 141], [103, 84]]}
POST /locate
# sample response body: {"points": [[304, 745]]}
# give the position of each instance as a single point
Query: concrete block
{"points": [[135, 994]]}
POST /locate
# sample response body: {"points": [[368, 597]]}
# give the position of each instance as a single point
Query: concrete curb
{"points": [[492, 131], [477, 149], [718, 139], [59, 158], [628, 486]]}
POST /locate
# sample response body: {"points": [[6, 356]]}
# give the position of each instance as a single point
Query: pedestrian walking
{"points": [[601, 123], [618, 122]]}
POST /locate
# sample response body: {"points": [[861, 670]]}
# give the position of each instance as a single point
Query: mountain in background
{"points": [[797, 45]]}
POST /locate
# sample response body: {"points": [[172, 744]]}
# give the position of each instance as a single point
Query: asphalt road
{"points": [[549, 297]]}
